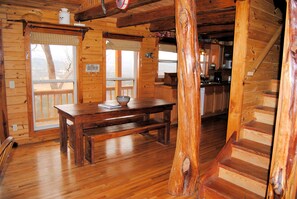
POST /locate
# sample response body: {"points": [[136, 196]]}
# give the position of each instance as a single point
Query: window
{"points": [[167, 60], [121, 68], [53, 75], [204, 56]]}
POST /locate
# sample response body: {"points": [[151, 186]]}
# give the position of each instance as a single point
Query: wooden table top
{"points": [[93, 108]]}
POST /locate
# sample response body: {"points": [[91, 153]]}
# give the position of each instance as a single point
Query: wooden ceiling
{"points": [[215, 18]]}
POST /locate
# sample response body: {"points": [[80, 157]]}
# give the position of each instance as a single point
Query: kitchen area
{"points": [[216, 67]]}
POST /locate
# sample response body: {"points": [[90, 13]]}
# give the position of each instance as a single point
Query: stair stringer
{"points": [[213, 172]]}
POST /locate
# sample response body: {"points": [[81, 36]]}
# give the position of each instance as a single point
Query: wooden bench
{"points": [[103, 133], [103, 123]]}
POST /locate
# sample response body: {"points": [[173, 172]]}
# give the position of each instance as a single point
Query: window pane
{"points": [[52, 66], [164, 55], [128, 61], [52, 62], [110, 63], [166, 67]]}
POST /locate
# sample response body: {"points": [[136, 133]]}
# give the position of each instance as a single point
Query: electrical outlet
{"points": [[11, 84], [14, 127]]}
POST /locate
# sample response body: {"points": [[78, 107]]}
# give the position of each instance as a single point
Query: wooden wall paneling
{"points": [[261, 30], [283, 169], [238, 66], [91, 86], [147, 68], [3, 110]]}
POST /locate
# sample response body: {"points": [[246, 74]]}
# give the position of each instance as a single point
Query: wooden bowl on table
{"points": [[123, 100]]}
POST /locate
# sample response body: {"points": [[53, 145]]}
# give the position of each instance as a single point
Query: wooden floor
{"points": [[128, 167]]}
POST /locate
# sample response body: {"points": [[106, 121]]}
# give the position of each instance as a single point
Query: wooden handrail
{"points": [[264, 53]]}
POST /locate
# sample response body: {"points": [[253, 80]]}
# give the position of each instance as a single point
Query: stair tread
{"points": [[230, 190], [259, 126], [246, 169], [265, 109], [254, 147], [271, 93]]}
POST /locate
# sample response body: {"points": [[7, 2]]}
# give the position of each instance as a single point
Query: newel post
{"points": [[184, 172]]}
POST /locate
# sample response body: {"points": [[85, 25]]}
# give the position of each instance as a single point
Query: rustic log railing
{"points": [[283, 170]]}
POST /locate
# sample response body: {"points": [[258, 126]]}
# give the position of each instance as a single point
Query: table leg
{"points": [[167, 118], [78, 149], [63, 134]]}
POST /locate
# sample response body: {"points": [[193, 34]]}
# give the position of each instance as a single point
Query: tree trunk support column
{"points": [[184, 172], [283, 169]]}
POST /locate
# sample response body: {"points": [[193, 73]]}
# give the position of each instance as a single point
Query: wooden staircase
{"points": [[241, 168]]}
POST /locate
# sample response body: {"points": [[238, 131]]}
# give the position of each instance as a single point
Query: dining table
{"points": [[85, 113]]}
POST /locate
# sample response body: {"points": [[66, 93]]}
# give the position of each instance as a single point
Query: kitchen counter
{"points": [[214, 98]]}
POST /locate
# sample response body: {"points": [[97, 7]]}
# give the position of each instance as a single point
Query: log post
{"points": [[283, 170], [184, 172]]}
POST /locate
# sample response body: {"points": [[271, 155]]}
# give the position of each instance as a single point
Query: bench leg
{"points": [[163, 136], [88, 149]]}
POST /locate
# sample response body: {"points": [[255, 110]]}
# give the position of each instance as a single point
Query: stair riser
{"points": [[266, 118], [270, 101], [250, 157], [257, 136], [274, 85], [242, 181]]}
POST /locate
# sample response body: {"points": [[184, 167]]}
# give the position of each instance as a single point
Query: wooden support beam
{"points": [[239, 65], [184, 172], [216, 28], [283, 170], [219, 17], [168, 14], [111, 9]]}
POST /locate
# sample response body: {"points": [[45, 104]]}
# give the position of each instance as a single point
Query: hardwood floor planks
{"points": [[133, 166]]}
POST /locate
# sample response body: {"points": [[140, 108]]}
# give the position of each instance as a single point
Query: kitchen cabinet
{"points": [[215, 99], [168, 93]]}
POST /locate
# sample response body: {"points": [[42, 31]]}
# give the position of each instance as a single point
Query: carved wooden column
{"points": [[184, 173], [283, 171]]}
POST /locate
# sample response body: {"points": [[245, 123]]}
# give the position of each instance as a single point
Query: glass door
{"points": [[53, 81]]}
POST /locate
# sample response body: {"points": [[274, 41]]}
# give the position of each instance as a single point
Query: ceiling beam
{"points": [[111, 9], [220, 35], [216, 28], [146, 17], [167, 13], [203, 19]]}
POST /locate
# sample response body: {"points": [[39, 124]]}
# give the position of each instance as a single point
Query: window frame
{"points": [[27, 32]]}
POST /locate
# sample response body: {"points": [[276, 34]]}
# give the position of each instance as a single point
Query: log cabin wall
{"points": [[262, 23], [92, 85]]}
